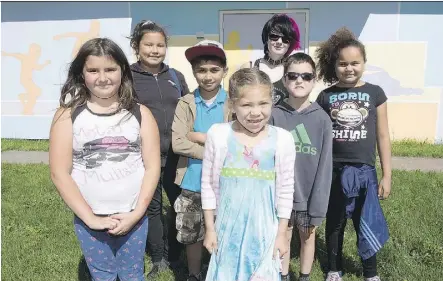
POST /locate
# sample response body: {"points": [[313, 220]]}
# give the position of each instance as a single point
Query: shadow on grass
{"points": [[83, 271]]}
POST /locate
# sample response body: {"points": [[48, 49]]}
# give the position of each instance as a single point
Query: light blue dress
{"points": [[246, 222]]}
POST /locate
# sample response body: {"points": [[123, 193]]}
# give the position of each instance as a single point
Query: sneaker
{"points": [[333, 276], [197, 277], [304, 278], [157, 268], [375, 278], [285, 277]]}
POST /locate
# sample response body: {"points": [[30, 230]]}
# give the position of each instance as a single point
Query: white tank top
{"points": [[107, 161]]}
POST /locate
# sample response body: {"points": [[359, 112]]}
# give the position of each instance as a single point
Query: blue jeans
{"points": [[109, 256]]}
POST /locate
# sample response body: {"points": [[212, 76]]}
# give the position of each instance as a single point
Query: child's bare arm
{"points": [[197, 137], [281, 242], [384, 150], [150, 142], [210, 241], [150, 138]]}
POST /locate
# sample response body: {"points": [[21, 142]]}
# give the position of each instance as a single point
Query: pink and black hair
{"points": [[285, 25]]}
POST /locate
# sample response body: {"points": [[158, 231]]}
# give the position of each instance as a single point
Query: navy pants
{"points": [[160, 244]]}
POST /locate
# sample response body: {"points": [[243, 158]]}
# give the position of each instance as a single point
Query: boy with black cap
{"points": [[195, 114]]}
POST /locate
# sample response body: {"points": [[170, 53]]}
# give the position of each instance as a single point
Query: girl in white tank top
{"points": [[104, 158]]}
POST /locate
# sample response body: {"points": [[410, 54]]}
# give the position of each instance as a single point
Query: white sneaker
{"points": [[334, 276], [375, 278]]}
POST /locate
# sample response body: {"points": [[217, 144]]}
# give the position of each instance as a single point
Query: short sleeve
{"points": [[380, 97], [321, 100]]}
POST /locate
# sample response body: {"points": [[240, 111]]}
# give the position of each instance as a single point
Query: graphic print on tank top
{"points": [[278, 94], [109, 148], [349, 112]]}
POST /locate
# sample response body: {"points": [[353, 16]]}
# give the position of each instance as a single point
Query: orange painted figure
{"points": [[82, 37], [29, 63]]}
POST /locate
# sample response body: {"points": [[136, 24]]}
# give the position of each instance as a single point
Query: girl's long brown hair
{"points": [[74, 92]]}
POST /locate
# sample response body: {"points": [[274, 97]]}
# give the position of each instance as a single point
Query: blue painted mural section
{"points": [[36, 126], [418, 22], [423, 21], [192, 17], [51, 11], [327, 17], [425, 25], [422, 8], [189, 17], [428, 29]]}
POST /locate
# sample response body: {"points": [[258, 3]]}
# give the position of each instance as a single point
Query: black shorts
{"points": [[301, 219]]}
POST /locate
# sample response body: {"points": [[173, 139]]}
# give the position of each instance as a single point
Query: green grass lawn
{"points": [[25, 145], [409, 148], [38, 241]]}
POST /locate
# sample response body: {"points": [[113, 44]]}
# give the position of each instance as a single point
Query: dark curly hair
{"points": [[143, 27], [329, 51]]}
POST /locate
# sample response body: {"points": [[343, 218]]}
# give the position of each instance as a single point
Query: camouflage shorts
{"points": [[190, 222]]}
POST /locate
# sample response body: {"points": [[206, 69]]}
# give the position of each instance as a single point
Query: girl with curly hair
{"points": [[358, 110]]}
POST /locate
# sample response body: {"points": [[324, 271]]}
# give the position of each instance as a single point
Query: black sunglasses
{"points": [[275, 37], [305, 76]]}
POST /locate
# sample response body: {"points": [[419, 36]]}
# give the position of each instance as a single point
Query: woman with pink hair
{"points": [[280, 37]]}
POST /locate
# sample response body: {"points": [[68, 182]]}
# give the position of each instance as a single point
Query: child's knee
{"points": [[307, 236], [305, 229]]}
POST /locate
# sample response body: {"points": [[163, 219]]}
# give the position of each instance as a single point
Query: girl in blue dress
{"points": [[248, 180]]}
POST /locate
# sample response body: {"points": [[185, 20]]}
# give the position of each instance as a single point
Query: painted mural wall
{"points": [[402, 42], [38, 42], [403, 59], [35, 65]]}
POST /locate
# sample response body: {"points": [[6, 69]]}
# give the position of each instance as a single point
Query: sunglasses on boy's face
{"points": [[275, 37], [305, 76]]}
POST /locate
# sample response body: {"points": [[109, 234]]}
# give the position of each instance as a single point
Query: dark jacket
{"points": [[359, 182], [159, 93]]}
